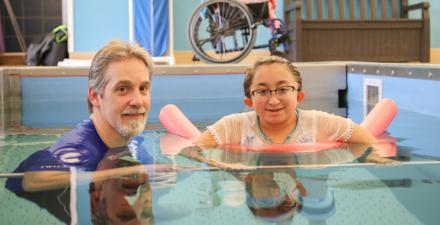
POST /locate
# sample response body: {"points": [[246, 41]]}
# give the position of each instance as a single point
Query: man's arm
{"points": [[47, 180]]}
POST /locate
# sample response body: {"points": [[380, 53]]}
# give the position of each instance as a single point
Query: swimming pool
{"points": [[342, 188]]}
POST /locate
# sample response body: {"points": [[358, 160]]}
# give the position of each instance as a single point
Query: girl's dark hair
{"points": [[250, 72]]}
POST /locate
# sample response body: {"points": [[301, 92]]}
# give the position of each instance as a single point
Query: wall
{"points": [[94, 27], [96, 22], [204, 93], [413, 87]]}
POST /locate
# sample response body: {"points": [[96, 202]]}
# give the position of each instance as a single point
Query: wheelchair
{"points": [[224, 31]]}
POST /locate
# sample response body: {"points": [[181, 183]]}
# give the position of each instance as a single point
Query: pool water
{"points": [[342, 188]]}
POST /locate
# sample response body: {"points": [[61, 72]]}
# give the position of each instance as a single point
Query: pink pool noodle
{"points": [[175, 122], [171, 144], [378, 119]]}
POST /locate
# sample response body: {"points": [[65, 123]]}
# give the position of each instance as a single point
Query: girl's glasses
{"points": [[279, 91]]}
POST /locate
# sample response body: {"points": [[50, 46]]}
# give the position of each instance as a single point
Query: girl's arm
{"points": [[360, 135], [206, 140]]}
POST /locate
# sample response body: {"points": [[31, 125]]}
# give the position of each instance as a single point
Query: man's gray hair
{"points": [[114, 51]]}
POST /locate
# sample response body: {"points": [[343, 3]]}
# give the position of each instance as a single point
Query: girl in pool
{"points": [[273, 89], [274, 195]]}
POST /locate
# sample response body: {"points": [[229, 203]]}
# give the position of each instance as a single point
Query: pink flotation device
{"points": [[378, 119], [175, 122], [376, 122], [171, 144], [280, 148]]}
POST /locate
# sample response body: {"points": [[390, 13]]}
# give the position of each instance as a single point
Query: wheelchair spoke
{"points": [[239, 21], [201, 42], [228, 13], [233, 12], [222, 47], [218, 16], [210, 15], [219, 44]]}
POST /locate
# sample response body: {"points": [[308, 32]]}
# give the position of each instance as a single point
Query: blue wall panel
{"points": [[53, 101], [417, 95], [61, 101], [97, 22], [201, 98]]}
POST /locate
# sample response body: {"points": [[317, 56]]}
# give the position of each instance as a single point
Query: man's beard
{"points": [[133, 127]]}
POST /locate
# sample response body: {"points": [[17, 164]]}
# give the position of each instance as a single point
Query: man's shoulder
{"points": [[83, 134], [84, 130], [79, 146]]}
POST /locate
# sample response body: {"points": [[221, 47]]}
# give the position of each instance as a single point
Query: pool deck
{"points": [[412, 70]]}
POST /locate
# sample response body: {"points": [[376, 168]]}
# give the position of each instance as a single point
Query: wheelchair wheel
{"points": [[221, 31]]}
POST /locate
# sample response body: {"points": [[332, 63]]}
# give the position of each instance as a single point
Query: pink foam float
{"points": [[176, 123], [380, 117]]}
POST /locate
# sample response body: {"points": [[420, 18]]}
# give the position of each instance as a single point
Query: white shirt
{"points": [[312, 127]]}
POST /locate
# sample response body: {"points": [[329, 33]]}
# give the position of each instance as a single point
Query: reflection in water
{"points": [[274, 195], [122, 198], [119, 188], [56, 200], [273, 191], [262, 187]]}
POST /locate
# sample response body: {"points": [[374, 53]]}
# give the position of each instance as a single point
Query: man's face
{"points": [[125, 200], [125, 102]]}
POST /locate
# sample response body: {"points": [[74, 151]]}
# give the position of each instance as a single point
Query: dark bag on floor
{"points": [[49, 49]]}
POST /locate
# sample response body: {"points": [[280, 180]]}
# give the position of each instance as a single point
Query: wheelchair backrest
{"points": [[258, 8]]}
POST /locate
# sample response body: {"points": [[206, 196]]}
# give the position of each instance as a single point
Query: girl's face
{"points": [[272, 95]]}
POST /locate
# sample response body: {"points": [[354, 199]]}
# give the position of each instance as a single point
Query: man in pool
{"points": [[119, 102]]}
